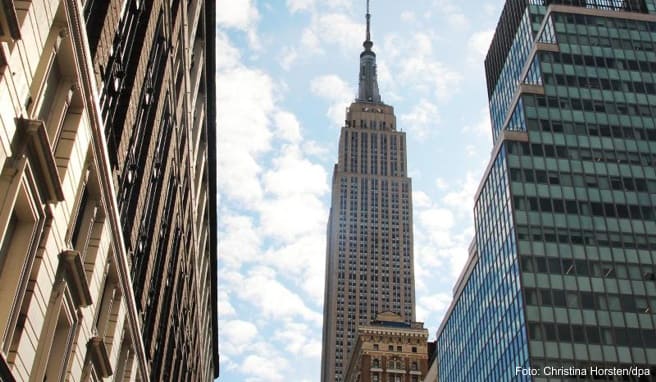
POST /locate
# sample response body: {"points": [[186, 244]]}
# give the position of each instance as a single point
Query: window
{"points": [[17, 250], [61, 344]]}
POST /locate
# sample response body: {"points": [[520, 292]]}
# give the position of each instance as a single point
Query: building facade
{"points": [[107, 220], [431, 373], [389, 350], [560, 277], [369, 257]]}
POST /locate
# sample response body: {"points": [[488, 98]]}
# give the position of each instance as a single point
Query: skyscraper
{"points": [[369, 258], [107, 191], [560, 277]]}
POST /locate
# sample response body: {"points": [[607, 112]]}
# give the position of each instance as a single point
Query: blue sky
{"points": [[287, 69]]}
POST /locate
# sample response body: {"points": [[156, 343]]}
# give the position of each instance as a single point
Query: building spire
{"points": [[368, 24], [368, 86]]}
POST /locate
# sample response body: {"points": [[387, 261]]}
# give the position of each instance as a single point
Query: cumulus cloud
{"points": [[241, 15], [299, 5], [264, 367], [230, 56], [239, 240], [335, 90], [237, 336], [462, 200], [287, 127], [338, 29], [310, 41], [422, 119], [299, 339], [226, 309], [478, 45], [245, 100], [304, 261], [288, 57], [273, 300], [453, 14], [271, 193], [431, 76], [432, 305]]}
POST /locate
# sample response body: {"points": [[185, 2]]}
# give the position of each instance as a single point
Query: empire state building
{"points": [[369, 255]]}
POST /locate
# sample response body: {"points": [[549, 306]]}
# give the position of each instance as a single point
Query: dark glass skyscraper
{"points": [[560, 278], [369, 260]]}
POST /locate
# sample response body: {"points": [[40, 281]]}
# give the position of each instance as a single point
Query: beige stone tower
{"points": [[369, 257]]}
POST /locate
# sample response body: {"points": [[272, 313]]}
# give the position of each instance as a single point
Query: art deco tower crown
{"points": [[368, 87]]}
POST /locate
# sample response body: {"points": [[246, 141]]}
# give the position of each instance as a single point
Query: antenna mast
{"points": [[368, 22]]}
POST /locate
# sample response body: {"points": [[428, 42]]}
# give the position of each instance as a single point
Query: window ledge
{"points": [[32, 141], [76, 277], [9, 21], [5, 371], [97, 351]]}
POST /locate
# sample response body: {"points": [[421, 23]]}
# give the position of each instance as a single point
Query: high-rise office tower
{"points": [[369, 259], [560, 278], [107, 191]]}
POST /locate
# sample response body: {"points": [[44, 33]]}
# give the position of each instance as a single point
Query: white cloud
{"points": [[478, 45], [438, 222], [236, 14], [310, 41], [241, 15], [422, 119], [304, 261], [338, 29], [264, 368], [453, 14], [239, 240], [299, 340], [226, 309], [245, 100], [420, 200], [299, 5], [273, 300], [288, 57], [236, 336], [293, 175], [432, 305], [230, 56], [294, 207], [315, 149], [431, 76], [335, 90], [287, 127], [425, 73], [441, 184], [290, 217], [462, 200]]}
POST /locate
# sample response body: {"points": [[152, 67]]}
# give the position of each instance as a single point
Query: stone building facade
{"points": [[107, 238], [389, 350]]}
